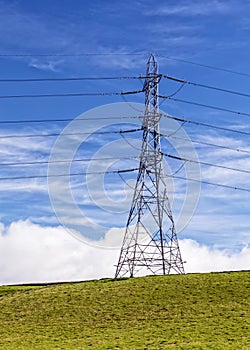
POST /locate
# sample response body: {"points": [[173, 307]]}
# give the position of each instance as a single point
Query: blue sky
{"points": [[120, 37]]}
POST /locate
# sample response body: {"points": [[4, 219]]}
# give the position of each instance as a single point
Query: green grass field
{"points": [[193, 311]]}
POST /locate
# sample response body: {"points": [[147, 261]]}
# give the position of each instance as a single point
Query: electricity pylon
{"points": [[150, 243]]}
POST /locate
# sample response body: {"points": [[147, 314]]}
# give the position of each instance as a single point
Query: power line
{"points": [[177, 90], [204, 86], [204, 105], [76, 55], [206, 163], [210, 183], [64, 175], [70, 79], [69, 134], [66, 161], [206, 125], [206, 143], [72, 94], [27, 121], [205, 65]]}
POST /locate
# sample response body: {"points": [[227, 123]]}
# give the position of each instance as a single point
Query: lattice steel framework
{"points": [[150, 243]]}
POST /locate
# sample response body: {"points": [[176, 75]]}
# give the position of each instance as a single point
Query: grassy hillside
{"points": [[194, 311]]}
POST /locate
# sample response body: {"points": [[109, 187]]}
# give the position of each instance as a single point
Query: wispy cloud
{"points": [[26, 31], [32, 186], [15, 151], [193, 8], [51, 65]]}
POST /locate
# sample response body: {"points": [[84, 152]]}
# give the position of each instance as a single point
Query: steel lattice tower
{"points": [[150, 243]]}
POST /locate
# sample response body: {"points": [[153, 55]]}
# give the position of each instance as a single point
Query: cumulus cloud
{"points": [[33, 253], [201, 258]]}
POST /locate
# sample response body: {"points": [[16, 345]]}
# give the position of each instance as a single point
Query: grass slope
{"points": [[193, 311]]}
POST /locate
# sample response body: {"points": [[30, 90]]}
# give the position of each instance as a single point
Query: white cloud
{"points": [[32, 253], [201, 258]]}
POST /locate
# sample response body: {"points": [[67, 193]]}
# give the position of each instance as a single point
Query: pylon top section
{"points": [[152, 65], [151, 87]]}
